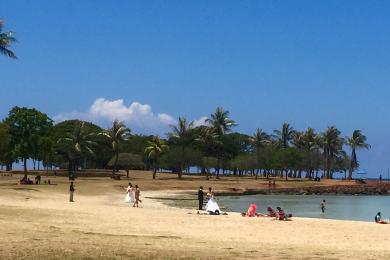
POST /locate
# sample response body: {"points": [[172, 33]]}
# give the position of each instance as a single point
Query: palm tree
{"points": [[6, 40], [358, 140], [298, 140], [311, 140], [116, 134], [284, 135], [183, 135], [207, 140], [220, 121], [153, 151], [311, 145], [332, 144], [78, 142], [221, 124], [258, 141]]}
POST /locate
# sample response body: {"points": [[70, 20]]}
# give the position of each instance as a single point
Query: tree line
{"points": [[213, 148]]}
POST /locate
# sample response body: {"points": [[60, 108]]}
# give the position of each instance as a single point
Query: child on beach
{"points": [[322, 206]]}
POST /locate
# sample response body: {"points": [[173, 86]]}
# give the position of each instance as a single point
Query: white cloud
{"points": [[201, 121], [139, 117]]}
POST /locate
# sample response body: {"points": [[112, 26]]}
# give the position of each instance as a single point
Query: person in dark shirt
{"points": [[200, 197], [71, 191]]}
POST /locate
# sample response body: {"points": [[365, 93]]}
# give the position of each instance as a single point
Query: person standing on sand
{"points": [[200, 197], [71, 191], [322, 206], [212, 205], [137, 193]]}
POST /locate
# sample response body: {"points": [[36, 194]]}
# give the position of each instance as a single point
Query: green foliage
{"points": [[127, 161], [27, 126], [77, 144], [174, 159], [28, 133], [6, 41], [5, 140], [116, 135]]}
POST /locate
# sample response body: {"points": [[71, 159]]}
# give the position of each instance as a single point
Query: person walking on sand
{"points": [[137, 193], [200, 197], [322, 206], [71, 191], [129, 194]]}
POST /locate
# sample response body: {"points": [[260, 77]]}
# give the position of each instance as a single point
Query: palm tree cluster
{"points": [[212, 148]]}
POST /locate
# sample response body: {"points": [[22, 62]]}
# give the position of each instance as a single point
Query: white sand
{"points": [[38, 222]]}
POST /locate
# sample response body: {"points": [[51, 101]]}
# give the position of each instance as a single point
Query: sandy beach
{"points": [[38, 222]]}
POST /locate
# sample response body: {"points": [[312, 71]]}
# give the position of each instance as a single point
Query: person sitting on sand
{"points": [[271, 212], [281, 215], [378, 219], [251, 212]]}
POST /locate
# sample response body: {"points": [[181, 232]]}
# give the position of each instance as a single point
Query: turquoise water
{"points": [[362, 208]]}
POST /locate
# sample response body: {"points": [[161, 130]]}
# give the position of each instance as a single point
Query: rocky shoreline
{"points": [[358, 189]]}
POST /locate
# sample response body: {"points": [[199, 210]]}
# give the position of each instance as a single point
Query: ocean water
{"points": [[362, 208]]}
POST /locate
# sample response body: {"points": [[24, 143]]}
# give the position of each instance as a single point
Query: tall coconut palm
{"points": [[258, 141], [116, 134], [154, 150], [207, 140], [284, 135], [356, 141], [182, 134], [6, 40], [77, 143], [220, 121], [332, 144], [311, 139], [298, 140], [311, 146], [221, 124]]}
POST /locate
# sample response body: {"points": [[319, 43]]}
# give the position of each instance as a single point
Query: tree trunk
{"points": [[180, 173], [154, 172], [115, 163], [25, 167]]}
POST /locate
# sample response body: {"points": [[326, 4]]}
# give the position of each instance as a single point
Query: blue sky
{"points": [[309, 63]]}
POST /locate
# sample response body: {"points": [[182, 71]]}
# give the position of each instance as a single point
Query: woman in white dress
{"points": [[129, 194], [212, 205]]}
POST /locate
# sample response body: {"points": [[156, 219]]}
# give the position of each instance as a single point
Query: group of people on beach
{"points": [[133, 195], [278, 215], [212, 207]]}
